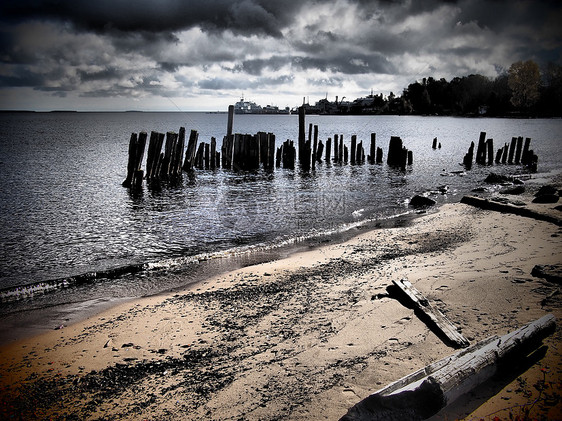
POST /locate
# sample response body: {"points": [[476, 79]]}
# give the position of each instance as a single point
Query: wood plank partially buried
{"points": [[437, 318]]}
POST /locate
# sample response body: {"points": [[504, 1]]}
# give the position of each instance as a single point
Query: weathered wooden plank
{"points": [[435, 316], [507, 208], [424, 393]]}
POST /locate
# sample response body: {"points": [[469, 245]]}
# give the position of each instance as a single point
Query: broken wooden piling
{"points": [[394, 157], [468, 157], [490, 151], [319, 151], [398, 155], [372, 156], [512, 150], [328, 150], [191, 151], [154, 154], [481, 149], [136, 153], [353, 149]]}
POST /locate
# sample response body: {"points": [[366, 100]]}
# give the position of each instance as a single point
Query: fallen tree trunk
{"points": [[425, 392]]}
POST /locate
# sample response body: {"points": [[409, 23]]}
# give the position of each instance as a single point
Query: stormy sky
{"points": [[185, 55]]}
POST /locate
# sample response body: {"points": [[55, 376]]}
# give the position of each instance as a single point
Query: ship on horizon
{"points": [[249, 107]]}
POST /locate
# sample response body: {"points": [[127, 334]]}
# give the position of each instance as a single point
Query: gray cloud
{"points": [[239, 16], [108, 49]]}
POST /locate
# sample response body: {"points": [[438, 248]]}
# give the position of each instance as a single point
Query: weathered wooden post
{"points": [[345, 154], [504, 153], [154, 148], [467, 160], [373, 149], [499, 155], [178, 156], [279, 156], [341, 149], [359, 153], [525, 158], [328, 150], [394, 157], [271, 149], [200, 156], [379, 155], [320, 151], [254, 153], [490, 145], [289, 153], [301, 132], [131, 164], [403, 158], [171, 140], [481, 149], [191, 150], [518, 150], [237, 151], [230, 121], [434, 146], [315, 147], [410, 157], [512, 150], [136, 153], [534, 161], [336, 147], [213, 153], [150, 153], [139, 154], [207, 156], [353, 149]]}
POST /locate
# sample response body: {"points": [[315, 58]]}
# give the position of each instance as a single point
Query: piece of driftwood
{"points": [[437, 318], [507, 208], [422, 394]]}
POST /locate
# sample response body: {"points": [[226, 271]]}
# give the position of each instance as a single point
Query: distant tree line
{"points": [[524, 90]]}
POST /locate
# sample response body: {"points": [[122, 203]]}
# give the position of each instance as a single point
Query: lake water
{"points": [[65, 217]]}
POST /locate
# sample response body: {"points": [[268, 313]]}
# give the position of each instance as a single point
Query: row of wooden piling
{"points": [[515, 153], [250, 152], [246, 152]]}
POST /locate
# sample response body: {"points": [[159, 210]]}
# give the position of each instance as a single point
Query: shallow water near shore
{"points": [[71, 233]]}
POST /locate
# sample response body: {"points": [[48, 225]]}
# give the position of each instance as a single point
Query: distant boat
{"points": [[249, 107]]}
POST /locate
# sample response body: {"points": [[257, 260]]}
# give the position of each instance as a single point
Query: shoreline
{"points": [[305, 337], [25, 323]]}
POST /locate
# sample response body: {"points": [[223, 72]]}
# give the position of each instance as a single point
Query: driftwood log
{"points": [[507, 208], [425, 392], [436, 318]]}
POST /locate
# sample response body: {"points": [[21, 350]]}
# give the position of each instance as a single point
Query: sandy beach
{"points": [[309, 336]]}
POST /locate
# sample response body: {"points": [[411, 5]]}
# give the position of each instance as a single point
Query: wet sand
{"points": [[308, 336]]}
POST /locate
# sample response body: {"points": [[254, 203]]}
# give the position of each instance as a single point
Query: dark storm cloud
{"points": [[239, 16], [347, 64], [127, 49]]}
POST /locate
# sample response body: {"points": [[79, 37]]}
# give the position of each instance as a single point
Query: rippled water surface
{"points": [[64, 213]]}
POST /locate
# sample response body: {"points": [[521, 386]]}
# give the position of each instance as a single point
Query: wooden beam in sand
{"points": [[424, 393], [437, 318], [487, 204]]}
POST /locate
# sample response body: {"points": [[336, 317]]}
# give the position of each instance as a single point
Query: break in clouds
{"points": [[204, 54]]}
